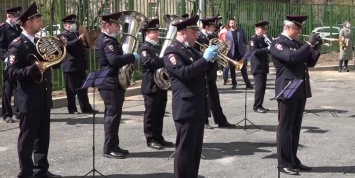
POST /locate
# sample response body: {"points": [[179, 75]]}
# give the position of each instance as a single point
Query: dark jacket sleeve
{"points": [[175, 65], [313, 58], [3, 43], [152, 62], [285, 54], [114, 58], [258, 51], [73, 43], [18, 69]]}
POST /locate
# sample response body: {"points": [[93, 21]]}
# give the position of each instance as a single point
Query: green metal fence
{"points": [[247, 12]]}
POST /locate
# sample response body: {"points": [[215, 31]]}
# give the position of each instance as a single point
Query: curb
{"points": [[318, 68], [62, 101]]}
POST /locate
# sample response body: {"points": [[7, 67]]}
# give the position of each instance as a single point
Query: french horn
{"points": [[52, 51]]}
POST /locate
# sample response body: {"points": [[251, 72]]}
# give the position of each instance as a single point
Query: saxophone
{"points": [[131, 22], [161, 77]]}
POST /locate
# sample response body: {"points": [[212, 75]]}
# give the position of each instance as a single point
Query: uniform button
{"points": [[46, 88]]}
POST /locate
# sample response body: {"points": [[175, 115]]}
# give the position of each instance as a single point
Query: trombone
{"points": [[222, 51]]}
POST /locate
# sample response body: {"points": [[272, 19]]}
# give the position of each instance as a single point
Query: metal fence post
{"points": [[182, 7], [224, 11], [62, 15], [310, 23], [130, 4], [255, 11], [201, 9]]}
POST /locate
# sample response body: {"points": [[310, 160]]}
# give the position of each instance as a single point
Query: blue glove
{"points": [[137, 57], [210, 53]]}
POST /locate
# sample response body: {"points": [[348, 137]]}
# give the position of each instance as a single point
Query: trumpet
{"points": [[222, 51], [267, 40]]}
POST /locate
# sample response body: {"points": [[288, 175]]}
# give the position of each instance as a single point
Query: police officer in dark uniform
{"points": [[187, 71], [205, 35], [75, 66], [154, 98], [291, 59], [9, 30], [34, 97], [110, 56], [259, 64]]}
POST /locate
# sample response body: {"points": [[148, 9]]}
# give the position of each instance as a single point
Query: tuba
{"points": [[131, 22], [52, 51], [161, 77]]}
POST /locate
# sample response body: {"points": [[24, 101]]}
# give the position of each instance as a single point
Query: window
{"points": [[152, 10]]}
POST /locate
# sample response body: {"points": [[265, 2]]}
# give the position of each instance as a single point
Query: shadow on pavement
{"points": [[350, 170], [273, 128], [214, 150], [155, 175]]}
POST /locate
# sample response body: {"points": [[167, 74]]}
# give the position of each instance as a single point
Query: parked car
{"points": [[324, 31], [46, 31]]}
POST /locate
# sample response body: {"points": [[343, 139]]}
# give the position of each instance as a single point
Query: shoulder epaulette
{"points": [[16, 39], [173, 44]]}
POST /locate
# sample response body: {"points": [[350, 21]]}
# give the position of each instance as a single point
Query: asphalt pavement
{"points": [[326, 144]]}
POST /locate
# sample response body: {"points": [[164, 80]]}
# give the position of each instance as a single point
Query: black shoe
{"points": [[91, 111], [166, 143], [266, 109], [304, 168], [15, 118], [250, 86], [225, 82], [125, 152], [234, 86], [115, 155], [155, 145], [74, 112], [227, 125], [289, 171], [207, 126], [260, 110], [8, 120], [47, 175]]}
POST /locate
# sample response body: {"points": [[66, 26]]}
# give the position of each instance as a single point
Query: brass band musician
{"points": [[205, 35], [154, 98]]}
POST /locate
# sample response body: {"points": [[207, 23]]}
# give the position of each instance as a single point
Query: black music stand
{"points": [[246, 58], [94, 79], [289, 90]]}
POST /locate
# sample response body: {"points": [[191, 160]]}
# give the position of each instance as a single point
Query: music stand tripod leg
{"points": [[307, 111], [349, 170], [245, 113], [90, 82], [171, 155]]}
